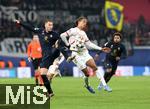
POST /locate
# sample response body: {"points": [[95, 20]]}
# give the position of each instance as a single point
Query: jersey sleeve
{"points": [[30, 28], [123, 52]]}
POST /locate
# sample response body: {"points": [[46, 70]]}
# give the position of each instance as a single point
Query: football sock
{"points": [[100, 76], [47, 84], [86, 80], [107, 76], [36, 81]]}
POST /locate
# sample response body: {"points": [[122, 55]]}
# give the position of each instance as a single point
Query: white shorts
{"points": [[81, 59]]}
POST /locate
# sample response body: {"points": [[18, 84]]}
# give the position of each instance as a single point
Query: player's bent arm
{"points": [[91, 45], [64, 38]]}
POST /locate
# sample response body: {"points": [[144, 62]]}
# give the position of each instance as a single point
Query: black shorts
{"points": [[110, 64], [36, 63], [48, 59]]}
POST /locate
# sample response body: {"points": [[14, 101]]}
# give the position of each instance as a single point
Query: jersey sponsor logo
{"points": [[46, 38]]}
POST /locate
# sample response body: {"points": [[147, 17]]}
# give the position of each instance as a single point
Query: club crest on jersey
{"points": [[111, 46], [46, 38]]}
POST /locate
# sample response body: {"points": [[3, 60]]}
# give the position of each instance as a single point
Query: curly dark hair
{"points": [[117, 34]]}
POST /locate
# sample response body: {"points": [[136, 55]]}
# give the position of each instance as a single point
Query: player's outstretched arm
{"points": [[91, 45], [18, 22]]}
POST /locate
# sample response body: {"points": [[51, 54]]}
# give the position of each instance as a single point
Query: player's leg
{"points": [[52, 72], [36, 70], [86, 80], [46, 62], [50, 76], [91, 63], [36, 75], [45, 80], [107, 68], [79, 61], [110, 72]]}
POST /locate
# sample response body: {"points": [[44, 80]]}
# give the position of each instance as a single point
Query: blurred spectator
{"points": [[2, 64], [22, 63], [66, 9], [9, 64]]}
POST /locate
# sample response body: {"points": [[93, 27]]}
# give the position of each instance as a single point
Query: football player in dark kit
{"points": [[48, 39], [117, 52]]}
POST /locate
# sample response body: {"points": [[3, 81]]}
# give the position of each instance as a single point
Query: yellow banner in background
{"points": [[114, 15]]}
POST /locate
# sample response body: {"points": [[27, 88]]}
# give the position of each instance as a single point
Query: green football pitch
{"points": [[128, 93]]}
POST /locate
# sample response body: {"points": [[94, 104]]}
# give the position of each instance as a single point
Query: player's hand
{"points": [[96, 57], [29, 59], [106, 49], [17, 21], [117, 58]]}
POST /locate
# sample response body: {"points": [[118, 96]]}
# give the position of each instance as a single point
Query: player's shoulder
{"points": [[55, 33], [73, 29], [122, 45]]}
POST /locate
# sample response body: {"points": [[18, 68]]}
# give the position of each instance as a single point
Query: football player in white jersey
{"points": [[79, 42]]}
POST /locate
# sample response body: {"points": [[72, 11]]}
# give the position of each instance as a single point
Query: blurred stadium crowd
{"points": [[64, 13]]}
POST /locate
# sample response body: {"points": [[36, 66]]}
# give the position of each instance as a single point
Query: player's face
{"points": [[35, 38], [49, 26], [117, 39], [83, 24]]}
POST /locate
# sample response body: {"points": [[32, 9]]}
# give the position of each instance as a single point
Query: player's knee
{"points": [[94, 68], [85, 71]]}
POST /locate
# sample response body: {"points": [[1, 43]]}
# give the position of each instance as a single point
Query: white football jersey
{"points": [[77, 39]]}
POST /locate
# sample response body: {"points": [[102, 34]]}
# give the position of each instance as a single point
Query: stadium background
{"points": [[13, 40]]}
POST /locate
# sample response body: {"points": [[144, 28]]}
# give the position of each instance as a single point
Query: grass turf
{"points": [[128, 93]]}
